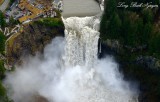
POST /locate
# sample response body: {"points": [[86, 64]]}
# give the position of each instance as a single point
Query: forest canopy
{"points": [[132, 26]]}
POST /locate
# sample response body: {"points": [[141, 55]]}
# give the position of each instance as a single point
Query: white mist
{"points": [[69, 70]]}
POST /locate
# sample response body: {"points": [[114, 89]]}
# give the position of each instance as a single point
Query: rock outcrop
{"points": [[32, 40]]}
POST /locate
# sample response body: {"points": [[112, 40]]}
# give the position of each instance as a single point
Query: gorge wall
{"points": [[33, 39]]}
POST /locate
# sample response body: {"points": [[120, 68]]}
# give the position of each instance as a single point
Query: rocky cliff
{"points": [[32, 39]]}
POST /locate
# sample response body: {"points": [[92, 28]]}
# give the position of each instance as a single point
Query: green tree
{"points": [[147, 32], [103, 27], [11, 2], [2, 20], [147, 15], [114, 26], [2, 69], [2, 90], [154, 45], [110, 8], [3, 97], [2, 42], [139, 31], [126, 30], [12, 21]]}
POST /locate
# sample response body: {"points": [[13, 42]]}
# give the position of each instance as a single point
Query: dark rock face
{"points": [[32, 40], [149, 62], [144, 60], [143, 69]]}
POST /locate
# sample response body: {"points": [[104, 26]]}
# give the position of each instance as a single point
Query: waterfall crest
{"points": [[81, 41]]}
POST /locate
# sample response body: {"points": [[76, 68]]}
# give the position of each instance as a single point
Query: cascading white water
{"points": [[81, 49], [83, 77], [81, 41]]}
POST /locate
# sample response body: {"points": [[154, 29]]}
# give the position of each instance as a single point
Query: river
{"points": [[80, 8]]}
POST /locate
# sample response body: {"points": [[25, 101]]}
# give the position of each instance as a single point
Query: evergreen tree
{"points": [[2, 90], [2, 42], [2, 69], [111, 8], [147, 15], [125, 29], [114, 26], [103, 28], [139, 32], [147, 33], [12, 21], [154, 45], [2, 20]]}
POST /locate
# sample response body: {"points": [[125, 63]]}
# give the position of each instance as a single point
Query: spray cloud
{"points": [[52, 77]]}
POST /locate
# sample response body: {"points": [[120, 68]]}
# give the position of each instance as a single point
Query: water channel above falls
{"points": [[80, 8]]}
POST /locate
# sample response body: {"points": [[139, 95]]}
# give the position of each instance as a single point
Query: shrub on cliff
{"points": [[2, 20], [155, 45], [51, 22], [2, 42], [2, 69]]}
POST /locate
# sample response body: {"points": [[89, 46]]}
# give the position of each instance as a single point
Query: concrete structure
{"points": [[80, 8], [24, 4], [4, 5], [35, 9]]}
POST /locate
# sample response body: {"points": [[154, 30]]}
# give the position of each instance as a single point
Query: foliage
{"points": [[147, 15], [134, 28], [3, 94], [110, 8], [2, 42], [58, 13], [12, 21], [155, 45], [2, 69], [51, 22], [131, 28], [2, 90], [114, 26], [2, 20], [11, 2]]}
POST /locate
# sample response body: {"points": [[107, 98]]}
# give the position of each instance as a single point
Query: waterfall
{"points": [[81, 49], [73, 75], [81, 41]]}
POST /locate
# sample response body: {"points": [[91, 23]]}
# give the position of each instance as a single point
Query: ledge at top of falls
{"points": [[80, 8]]}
